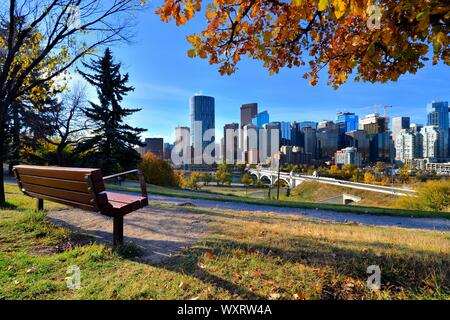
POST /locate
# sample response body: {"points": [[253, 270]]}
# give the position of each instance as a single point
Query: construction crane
{"points": [[376, 107]]}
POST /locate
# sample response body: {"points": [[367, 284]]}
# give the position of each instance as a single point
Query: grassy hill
{"points": [[316, 192], [244, 256]]}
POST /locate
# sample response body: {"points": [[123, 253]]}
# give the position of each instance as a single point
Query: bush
{"points": [[431, 196], [158, 171]]}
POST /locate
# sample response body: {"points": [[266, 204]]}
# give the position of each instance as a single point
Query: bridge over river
{"points": [[293, 180]]}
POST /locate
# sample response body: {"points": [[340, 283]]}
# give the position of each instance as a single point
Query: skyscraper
{"points": [[230, 142], [399, 123], [202, 120], [327, 138], [248, 112], [261, 119], [297, 136], [438, 116], [285, 133], [359, 139], [374, 123], [155, 146], [271, 139], [251, 144], [310, 141], [350, 119]]}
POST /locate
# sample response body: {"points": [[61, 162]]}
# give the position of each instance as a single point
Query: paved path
{"points": [[159, 233], [439, 224]]}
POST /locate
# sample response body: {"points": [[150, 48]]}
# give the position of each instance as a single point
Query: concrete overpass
{"points": [[294, 179]]}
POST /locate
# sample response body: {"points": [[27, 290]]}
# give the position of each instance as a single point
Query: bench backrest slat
{"points": [[78, 187], [77, 174]]}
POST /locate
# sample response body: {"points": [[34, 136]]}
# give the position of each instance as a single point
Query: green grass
{"points": [[209, 195], [244, 256]]}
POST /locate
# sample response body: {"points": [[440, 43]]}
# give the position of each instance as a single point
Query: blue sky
{"points": [[164, 78]]}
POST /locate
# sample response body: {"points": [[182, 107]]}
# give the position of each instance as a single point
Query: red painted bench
{"points": [[81, 188]]}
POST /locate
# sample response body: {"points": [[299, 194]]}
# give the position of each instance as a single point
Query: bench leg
{"points": [[40, 204], [118, 230]]}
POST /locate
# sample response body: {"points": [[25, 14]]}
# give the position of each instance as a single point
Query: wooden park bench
{"points": [[81, 188]]}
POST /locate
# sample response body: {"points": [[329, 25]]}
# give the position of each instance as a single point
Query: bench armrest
{"points": [[141, 179]]}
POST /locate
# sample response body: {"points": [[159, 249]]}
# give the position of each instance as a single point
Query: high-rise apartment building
{"points": [[408, 145], [431, 136], [202, 121]]}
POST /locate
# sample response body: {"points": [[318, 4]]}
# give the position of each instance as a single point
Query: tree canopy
{"points": [[377, 41]]}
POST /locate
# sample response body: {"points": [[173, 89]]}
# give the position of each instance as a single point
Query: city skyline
{"points": [[167, 78], [335, 119]]}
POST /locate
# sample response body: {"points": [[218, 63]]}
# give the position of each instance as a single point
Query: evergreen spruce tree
{"points": [[112, 145]]}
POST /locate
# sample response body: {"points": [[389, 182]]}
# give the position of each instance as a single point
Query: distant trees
{"points": [[111, 147], [246, 181], [223, 174], [369, 178], [430, 196], [158, 171]]}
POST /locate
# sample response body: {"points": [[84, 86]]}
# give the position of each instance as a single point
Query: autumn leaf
{"points": [[322, 5], [332, 34]]}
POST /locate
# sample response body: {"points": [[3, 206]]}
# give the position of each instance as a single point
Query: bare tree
{"points": [[65, 31], [69, 122]]}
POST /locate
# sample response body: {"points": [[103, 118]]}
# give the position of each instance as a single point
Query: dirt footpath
{"points": [[158, 232]]}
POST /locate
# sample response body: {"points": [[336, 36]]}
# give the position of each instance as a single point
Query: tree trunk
{"points": [[2, 186], [3, 151], [15, 154], [60, 155]]}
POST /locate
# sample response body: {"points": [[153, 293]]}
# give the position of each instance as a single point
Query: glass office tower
{"points": [[438, 117], [202, 119]]}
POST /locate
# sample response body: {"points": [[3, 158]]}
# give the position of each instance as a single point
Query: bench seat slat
{"points": [[125, 198]]}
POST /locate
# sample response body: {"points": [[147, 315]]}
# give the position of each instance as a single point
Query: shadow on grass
{"points": [[9, 206], [412, 270], [403, 269]]}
